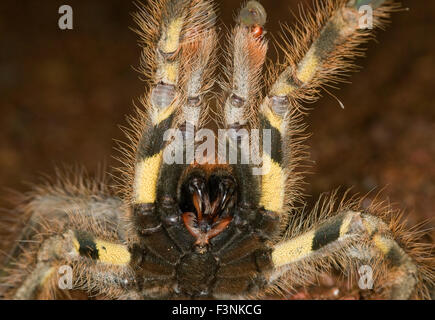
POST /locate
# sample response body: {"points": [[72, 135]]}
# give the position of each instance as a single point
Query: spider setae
{"points": [[218, 229]]}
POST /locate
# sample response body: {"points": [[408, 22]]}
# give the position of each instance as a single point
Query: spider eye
{"points": [[253, 14]]}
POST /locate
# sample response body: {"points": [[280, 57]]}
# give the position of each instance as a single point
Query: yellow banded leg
{"points": [[402, 275], [98, 266], [172, 91], [279, 113], [197, 59], [325, 58], [278, 153], [161, 103], [337, 228], [343, 230], [184, 51], [248, 49], [274, 172], [58, 205], [86, 245]]}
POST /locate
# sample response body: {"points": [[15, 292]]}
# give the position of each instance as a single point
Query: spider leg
{"points": [[196, 81], [51, 238], [245, 67], [252, 132], [185, 37], [322, 52], [97, 266], [57, 205], [248, 51], [349, 238]]}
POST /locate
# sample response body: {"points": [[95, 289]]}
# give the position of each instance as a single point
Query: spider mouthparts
{"points": [[203, 218]]}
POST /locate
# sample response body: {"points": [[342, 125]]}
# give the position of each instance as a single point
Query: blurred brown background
{"points": [[63, 94]]}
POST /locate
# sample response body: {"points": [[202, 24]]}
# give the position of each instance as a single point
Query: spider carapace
{"points": [[184, 226]]}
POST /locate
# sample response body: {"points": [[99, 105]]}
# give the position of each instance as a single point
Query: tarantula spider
{"points": [[205, 230]]}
